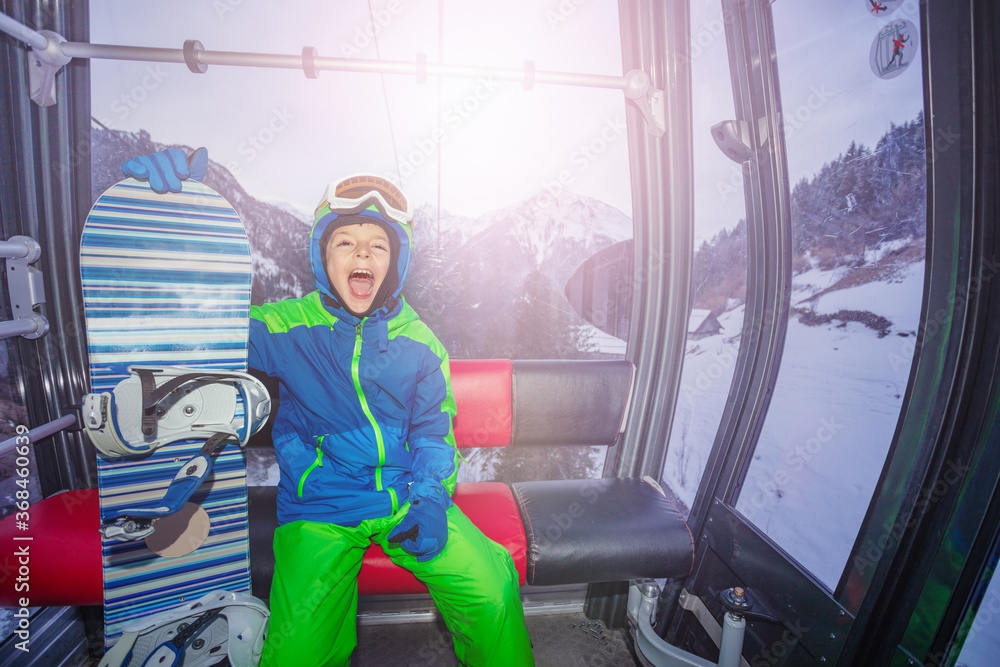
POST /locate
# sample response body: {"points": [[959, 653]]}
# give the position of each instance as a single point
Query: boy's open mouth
{"points": [[361, 282]]}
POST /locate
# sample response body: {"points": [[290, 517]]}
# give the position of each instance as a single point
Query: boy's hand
{"points": [[166, 169], [423, 532]]}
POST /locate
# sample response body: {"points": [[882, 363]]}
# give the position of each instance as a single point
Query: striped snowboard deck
{"points": [[166, 280]]}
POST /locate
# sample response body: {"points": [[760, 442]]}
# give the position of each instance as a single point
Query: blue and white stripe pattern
{"points": [[166, 280]]}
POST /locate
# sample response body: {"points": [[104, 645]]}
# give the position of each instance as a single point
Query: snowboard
{"points": [[166, 282]]}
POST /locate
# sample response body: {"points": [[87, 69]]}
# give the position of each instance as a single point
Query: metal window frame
{"points": [[936, 561], [46, 197], [750, 40], [937, 564], [45, 194], [655, 39]]}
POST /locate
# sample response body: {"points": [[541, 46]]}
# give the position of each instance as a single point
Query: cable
{"points": [[439, 118], [385, 96]]}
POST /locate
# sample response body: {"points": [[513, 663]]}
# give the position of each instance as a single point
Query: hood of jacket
{"points": [[400, 237]]}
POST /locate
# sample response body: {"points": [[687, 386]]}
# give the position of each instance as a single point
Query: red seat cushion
{"points": [[64, 553], [489, 505], [482, 389]]}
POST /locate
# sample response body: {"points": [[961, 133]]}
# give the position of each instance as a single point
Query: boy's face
{"points": [[357, 260]]}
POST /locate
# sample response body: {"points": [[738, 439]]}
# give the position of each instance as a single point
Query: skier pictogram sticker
{"points": [[882, 8], [894, 48]]}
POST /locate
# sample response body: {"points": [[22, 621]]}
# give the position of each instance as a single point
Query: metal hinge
{"points": [[25, 288]]}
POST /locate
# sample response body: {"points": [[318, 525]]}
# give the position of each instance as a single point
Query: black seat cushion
{"points": [[593, 530]]}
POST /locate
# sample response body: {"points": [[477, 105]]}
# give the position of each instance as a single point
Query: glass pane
{"points": [[982, 643], [512, 189], [851, 94], [14, 422], [719, 267]]}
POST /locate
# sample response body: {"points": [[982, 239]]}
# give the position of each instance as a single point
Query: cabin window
{"points": [[982, 640], [852, 101], [512, 189], [719, 265], [13, 421]]}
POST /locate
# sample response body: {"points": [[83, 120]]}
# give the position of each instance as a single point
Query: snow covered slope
{"points": [[843, 373]]}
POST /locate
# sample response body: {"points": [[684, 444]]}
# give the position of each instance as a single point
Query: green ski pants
{"points": [[314, 593]]}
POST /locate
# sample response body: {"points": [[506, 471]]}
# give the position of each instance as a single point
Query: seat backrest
{"points": [[540, 403]]}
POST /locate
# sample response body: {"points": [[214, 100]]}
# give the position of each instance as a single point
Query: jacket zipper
{"points": [[317, 462], [355, 375]]}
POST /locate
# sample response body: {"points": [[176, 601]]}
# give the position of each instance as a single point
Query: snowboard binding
{"points": [[218, 626], [159, 405]]}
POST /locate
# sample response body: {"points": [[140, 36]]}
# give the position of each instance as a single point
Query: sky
{"points": [[285, 136], [830, 95], [497, 142]]}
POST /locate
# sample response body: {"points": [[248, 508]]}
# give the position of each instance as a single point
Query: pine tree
{"points": [[542, 326]]}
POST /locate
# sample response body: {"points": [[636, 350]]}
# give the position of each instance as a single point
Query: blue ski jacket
{"points": [[365, 404]]}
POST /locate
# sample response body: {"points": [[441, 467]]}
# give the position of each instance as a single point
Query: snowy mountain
{"points": [[293, 210], [469, 274], [450, 229], [278, 233], [474, 274], [555, 238], [553, 235]]}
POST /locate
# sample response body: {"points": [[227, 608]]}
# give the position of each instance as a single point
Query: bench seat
{"points": [[558, 532], [489, 505]]}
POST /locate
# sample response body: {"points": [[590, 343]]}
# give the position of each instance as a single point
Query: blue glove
{"points": [[423, 532], [166, 169]]}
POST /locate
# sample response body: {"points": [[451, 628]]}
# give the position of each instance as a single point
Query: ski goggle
{"points": [[357, 193]]}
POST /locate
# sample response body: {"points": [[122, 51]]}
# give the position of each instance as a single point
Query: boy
{"points": [[363, 439]]}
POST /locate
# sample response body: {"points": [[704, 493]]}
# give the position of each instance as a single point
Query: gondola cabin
{"points": [[717, 280]]}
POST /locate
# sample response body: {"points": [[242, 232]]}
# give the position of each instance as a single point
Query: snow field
{"points": [[829, 424]]}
